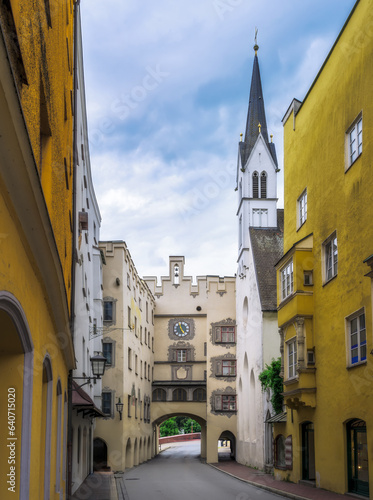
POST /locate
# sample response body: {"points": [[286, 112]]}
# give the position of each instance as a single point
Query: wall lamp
{"points": [[119, 406], [98, 363]]}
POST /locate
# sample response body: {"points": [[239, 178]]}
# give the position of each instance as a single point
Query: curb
{"points": [[263, 486]]}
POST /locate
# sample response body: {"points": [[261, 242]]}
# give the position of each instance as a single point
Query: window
{"points": [[263, 185], [128, 281], [159, 395], [129, 406], [149, 340], [136, 326], [148, 372], [225, 334], [108, 311], [308, 278], [106, 403], [255, 185], [292, 358], [229, 367], [141, 334], [140, 304], [331, 257], [181, 355], [287, 280], [141, 369], [152, 344], [302, 208], [179, 395], [176, 275], [260, 217], [199, 395], [357, 338], [225, 402], [147, 312], [107, 348], [135, 407], [145, 370], [355, 141], [129, 317], [136, 364], [129, 358], [280, 452], [240, 233]]}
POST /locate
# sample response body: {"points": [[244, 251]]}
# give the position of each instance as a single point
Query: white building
{"points": [[260, 247], [87, 301]]}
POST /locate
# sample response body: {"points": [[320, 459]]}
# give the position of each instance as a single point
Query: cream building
{"points": [[195, 354], [125, 438]]}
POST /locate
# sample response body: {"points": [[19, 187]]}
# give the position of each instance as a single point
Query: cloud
{"points": [[167, 87]]}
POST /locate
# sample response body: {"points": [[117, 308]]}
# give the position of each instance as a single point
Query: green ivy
{"points": [[270, 379]]}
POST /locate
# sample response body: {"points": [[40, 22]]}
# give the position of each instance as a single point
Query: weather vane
{"points": [[256, 46]]}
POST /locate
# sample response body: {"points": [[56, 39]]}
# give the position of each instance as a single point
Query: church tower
{"points": [[260, 247], [257, 168]]}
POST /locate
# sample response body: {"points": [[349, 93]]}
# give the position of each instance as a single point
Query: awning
{"points": [[83, 403], [280, 417]]}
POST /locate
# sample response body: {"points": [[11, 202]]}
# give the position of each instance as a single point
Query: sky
{"points": [[167, 88]]}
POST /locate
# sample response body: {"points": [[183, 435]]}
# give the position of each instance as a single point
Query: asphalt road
{"points": [[178, 474]]}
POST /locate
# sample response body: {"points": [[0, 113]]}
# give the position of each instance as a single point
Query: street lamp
{"points": [[98, 363], [119, 406]]}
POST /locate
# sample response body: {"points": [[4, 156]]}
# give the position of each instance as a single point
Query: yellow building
{"points": [[35, 245], [324, 293]]}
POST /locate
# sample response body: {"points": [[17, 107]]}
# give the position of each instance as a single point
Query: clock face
{"points": [[181, 329]]}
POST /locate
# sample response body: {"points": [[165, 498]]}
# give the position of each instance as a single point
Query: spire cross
{"points": [[256, 46], [260, 128]]}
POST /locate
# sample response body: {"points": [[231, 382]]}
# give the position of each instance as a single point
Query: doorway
{"points": [[357, 457], [99, 454], [308, 452]]}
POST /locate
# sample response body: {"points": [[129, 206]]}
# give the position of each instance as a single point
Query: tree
{"points": [[270, 379], [169, 427], [188, 426]]}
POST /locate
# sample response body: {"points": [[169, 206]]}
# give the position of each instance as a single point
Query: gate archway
{"points": [[99, 454]]}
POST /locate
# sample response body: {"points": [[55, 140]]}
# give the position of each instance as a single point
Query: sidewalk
{"points": [[267, 482], [97, 486]]}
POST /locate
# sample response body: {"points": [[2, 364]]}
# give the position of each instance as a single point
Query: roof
{"points": [[82, 402], [255, 116], [267, 248], [280, 417]]}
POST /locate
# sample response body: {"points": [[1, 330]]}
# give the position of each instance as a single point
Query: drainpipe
{"points": [[72, 305]]}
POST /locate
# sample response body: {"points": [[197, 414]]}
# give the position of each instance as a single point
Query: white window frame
{"points": [[330, 257], [302, 208], [292, 357], [354, 141], [181, 355], [287, 280], [228, 402], [356, 326], [225, 334]]}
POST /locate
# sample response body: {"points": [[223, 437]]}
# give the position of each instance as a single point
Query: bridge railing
{"points": [[180, 437]]}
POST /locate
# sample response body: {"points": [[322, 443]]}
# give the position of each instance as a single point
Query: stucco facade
{"points": [[35, 268], [122, 441], [87, 309], [195, 353], [324, 295]]}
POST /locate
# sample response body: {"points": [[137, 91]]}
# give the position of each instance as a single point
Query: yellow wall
{"points": [[47, 54], [341, 201]]}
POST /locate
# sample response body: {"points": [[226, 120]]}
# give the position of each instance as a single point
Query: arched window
{"points": [[159, 395], [280, 452], [255, 185], [176, 274], [199, 395], [179, 395], [263, 185]]}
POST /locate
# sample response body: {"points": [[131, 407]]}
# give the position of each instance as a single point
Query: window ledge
{"points": [[359, 363], [353, 163], [291, 381], [300, 227], [329, 280]]}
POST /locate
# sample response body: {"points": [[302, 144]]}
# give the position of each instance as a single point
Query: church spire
{"points": [[256, 113]]}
